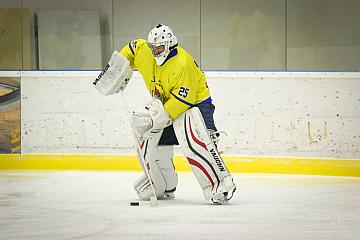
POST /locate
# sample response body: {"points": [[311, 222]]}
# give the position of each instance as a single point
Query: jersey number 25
{"points": [[183, 92]]}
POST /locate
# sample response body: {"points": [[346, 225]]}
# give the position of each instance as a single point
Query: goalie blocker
{"points": [[115, 76]]}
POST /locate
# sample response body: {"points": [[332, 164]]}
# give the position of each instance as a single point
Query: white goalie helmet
{"points": [[161, 40]]}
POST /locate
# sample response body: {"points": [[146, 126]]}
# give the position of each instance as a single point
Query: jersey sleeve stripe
{"points": [[208, 100], [183, 101], [132, 50]]}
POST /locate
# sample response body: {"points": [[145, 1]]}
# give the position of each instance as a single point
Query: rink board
{"points": [[269, 114], [307, 166], [287, 122]]}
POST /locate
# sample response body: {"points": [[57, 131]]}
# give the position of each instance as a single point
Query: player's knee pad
{"points": [[158, 161], [203, 157]]}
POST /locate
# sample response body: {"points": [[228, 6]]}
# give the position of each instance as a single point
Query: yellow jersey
{"points": [[178, 82]]}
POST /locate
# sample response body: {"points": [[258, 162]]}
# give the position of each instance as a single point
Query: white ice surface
{"points": [[95, 205]]}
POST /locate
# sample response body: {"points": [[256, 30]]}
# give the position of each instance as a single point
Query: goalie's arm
{"points": [[132, 49], [127, 51]]}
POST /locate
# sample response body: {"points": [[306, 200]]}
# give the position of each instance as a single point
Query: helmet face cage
{"points": [[161, 35], [154, 46]]}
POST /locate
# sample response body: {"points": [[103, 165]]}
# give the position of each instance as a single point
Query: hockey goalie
{"points": [[180, 113]]}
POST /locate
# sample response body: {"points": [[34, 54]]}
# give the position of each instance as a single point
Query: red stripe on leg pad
{"points": [[142, 144], [194, 138], [197, 164]]}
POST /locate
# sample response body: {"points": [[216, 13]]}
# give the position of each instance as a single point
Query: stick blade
{"points": [[153, 201]]}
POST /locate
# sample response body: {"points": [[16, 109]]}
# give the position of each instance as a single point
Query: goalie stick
{"points": [[153, 199]]}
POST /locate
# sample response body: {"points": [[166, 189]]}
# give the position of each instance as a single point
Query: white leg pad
{"points": [[166, 166], [203, 157], [158, 161]]}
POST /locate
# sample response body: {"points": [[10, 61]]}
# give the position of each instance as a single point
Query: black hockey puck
{"points": [[134, 204]]}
